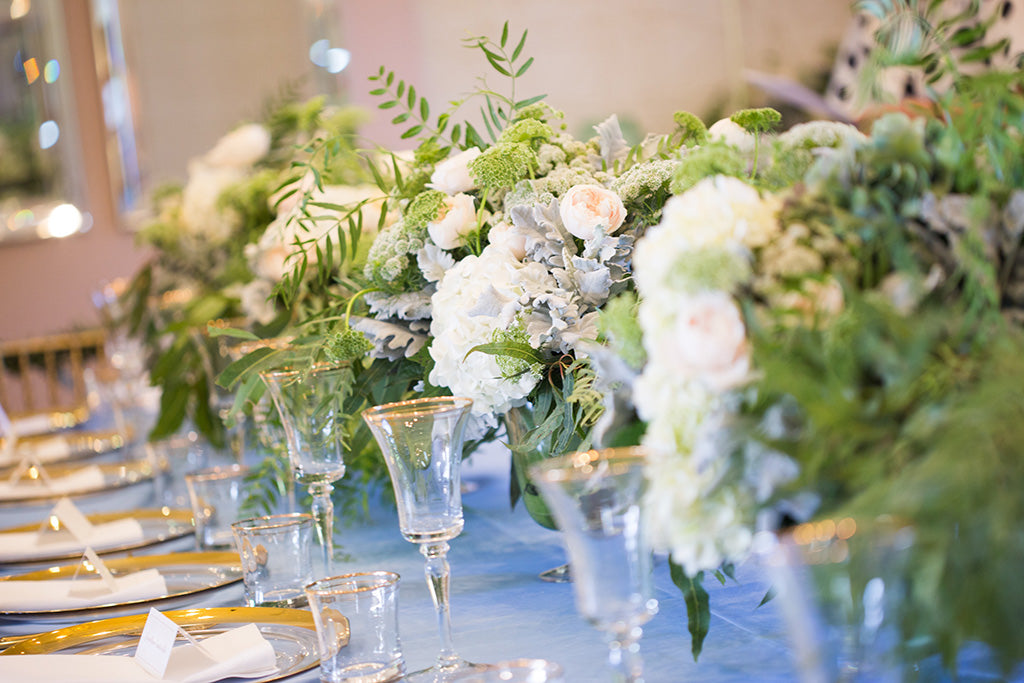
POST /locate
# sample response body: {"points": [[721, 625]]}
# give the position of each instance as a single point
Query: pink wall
{"points": [[45, 286]]}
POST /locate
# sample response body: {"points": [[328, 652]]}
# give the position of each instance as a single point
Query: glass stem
{"points": [[624, 658], [323, 514], [438, 580]]}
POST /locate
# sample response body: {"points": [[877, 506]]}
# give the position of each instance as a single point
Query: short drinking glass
{"points": [[276, 558]]}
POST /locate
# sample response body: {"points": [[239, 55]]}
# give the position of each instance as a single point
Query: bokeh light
{"points": [[64, 220], [20, 8], [31, 70], [51, 72], [49, 133], [318, 52], [20, 219], [337, 59]]}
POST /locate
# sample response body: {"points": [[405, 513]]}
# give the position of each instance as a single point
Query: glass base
{"points": [[559, 574], [443, 675]]}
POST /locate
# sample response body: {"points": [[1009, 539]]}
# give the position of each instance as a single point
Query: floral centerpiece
{"points": [[503, 242], [837, 334], [814, 322]]}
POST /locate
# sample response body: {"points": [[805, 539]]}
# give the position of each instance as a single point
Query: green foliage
{"points": [[619, 326], [503, 165], [692, 130], [714, 158], [698, 606], [498, 110]]}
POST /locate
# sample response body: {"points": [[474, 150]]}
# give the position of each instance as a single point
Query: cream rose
{"points": [[451, 176], [456, 220], [709, 340], [586, 207], [504, 236]]}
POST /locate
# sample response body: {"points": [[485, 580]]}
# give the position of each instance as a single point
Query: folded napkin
{"points": [[24, 596], [30, 425], [80, 480], [27, 545], [44, 450], [238, 653]]}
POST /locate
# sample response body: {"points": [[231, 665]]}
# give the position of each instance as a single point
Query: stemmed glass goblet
{"points": [[596, 499], [421, 441], [309, 401]]}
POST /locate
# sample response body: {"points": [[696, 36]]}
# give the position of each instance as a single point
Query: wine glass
{"points": [[421, 441], [309, 401], [596, 497]]}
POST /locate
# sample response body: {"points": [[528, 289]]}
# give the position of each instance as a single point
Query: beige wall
{"points": [[201, 66]]}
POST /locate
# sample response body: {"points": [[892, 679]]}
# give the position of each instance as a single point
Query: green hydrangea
{"points": [[691, 128], [541, 111], [618, 324], [644, 180], [527, 131], [503, 165], [391, 262], [757, 120], [558, 181], [347, 345], [714, 158], [423, 209], [709, 268]]}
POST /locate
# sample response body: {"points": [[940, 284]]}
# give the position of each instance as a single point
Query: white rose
{"points": [[240, 148], [709, 340], [504, 236], [732, 133], [456, 220], [586, 207], [451, 176]]}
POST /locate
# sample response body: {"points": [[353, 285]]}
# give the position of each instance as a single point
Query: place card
{"points": [[157, 641], [89, 589], [72, 519], [27, 463]]}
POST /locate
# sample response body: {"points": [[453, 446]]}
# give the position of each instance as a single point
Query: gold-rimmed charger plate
{"points": [[48, 421], [186, 575], [291, 632], [116, 475], [76, 445], [159, 525]]}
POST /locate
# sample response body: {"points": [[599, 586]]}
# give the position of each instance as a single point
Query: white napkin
{"points": [[44, 450], [240, 652], [80, 480], [30, 425], [26, 545], [21, 596]]}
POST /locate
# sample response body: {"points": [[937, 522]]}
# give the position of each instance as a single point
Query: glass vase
{"points": [[519, 423]]}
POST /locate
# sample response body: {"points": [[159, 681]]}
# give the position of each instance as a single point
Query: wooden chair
{"points": [[44, 373]]}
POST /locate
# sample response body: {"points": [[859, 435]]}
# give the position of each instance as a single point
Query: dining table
{"points": [[502, 609]]}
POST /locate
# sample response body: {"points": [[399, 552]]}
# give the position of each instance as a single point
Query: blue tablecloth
{"points": [[501, 609]]}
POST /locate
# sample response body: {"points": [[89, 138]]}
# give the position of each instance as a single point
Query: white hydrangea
{"points": [[476, 297], [718, 211], [699, 502], [813, 134]]}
